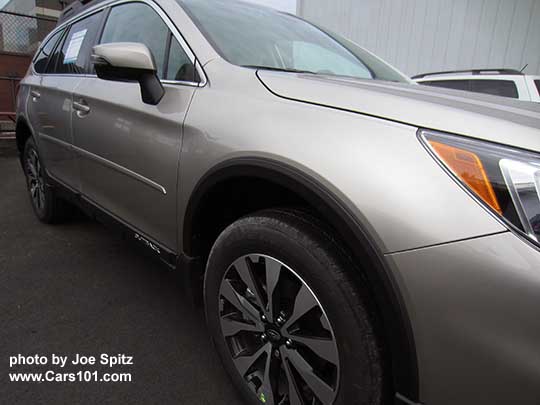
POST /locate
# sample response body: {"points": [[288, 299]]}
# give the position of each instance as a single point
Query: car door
{"points": [[129, 151], [49, 109], [51, 101]]}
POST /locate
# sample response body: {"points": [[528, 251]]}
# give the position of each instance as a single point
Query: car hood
{"points": [[480, 116]]}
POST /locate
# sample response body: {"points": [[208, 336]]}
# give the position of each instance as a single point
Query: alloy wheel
{"points": [[278, 334], [36, 182]]}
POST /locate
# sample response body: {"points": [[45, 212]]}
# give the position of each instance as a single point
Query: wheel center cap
{"points": [[273, 335]]}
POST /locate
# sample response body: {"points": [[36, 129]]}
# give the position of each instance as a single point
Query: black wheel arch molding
{"points": [[23, 131], [397, 327]]}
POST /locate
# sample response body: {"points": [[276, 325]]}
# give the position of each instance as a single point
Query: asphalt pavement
{"points": [[77, 288]]}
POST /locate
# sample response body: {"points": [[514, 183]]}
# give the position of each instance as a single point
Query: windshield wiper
{"points": [[278, 69]]}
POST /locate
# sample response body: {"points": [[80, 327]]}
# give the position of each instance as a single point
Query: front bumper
{"points": [[474, 307]]}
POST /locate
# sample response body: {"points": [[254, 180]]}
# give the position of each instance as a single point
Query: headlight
{"points": [[506, 180]]}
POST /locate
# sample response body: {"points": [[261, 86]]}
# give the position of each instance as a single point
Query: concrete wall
{"points": [[429, 35]]}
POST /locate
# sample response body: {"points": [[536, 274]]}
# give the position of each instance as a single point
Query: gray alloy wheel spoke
{"points": [[38, 165], [305, 302], [293, 393], [35, 163], [273, 270], [267, 388], [34, 190], [323, 391], [239, 302], [32, 170], [41, 195], [324, 348], [243, 363], [231, 327], [35, 193], [246, 274]]}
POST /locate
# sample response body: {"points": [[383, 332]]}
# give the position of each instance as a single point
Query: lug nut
{"points": [[281, 318], [264, 337], [289, 343], [263, 318]]}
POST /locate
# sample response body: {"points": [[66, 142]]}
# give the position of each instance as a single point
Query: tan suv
{"points": [[356, 238]]}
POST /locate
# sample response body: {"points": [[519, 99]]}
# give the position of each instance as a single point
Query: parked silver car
{"points": [[362, 240]]}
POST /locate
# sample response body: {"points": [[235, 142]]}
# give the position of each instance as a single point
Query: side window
{"points": [[41, 59], [449, 84], [537, 83], [179, 66], [137, 22], [504, 88], [74, 55]]}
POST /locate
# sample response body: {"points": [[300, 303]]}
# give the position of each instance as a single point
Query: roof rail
{"points": [[502, 71], [74, 8]]}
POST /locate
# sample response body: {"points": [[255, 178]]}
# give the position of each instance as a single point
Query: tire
{"points": [[47, 206], [315, 296]]}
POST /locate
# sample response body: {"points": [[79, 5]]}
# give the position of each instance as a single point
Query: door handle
{"points": [[35, 95], [81, 107]]}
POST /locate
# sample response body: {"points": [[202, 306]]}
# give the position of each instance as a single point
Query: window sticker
{"points": [[74, 47]]}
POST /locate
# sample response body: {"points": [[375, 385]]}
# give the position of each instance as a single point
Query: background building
{"points": [[284, 5], [20, 34], [420, 36], [39, 8]]}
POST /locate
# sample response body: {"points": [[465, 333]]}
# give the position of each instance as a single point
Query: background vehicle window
{"points": [[137, 22], [537, 83], [40, 62], [179, 66], [450, 84], [504, 88], [74, 55]]}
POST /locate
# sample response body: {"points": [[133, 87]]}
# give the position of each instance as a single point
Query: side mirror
{"points": [[129, 62]]}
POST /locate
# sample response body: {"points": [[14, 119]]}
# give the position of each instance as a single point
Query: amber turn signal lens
{"points": [[469, 168]]}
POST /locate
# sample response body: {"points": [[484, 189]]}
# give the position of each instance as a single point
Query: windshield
{"points": [[254, 36]]}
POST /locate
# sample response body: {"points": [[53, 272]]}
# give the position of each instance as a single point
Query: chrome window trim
{"points": [[43, 43], [164, 17]]}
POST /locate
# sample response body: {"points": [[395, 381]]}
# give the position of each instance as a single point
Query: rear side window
{"points": [[73, 57], [137, 22], [504, 88], [40, 61], [537, 83], [449, 84]]}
